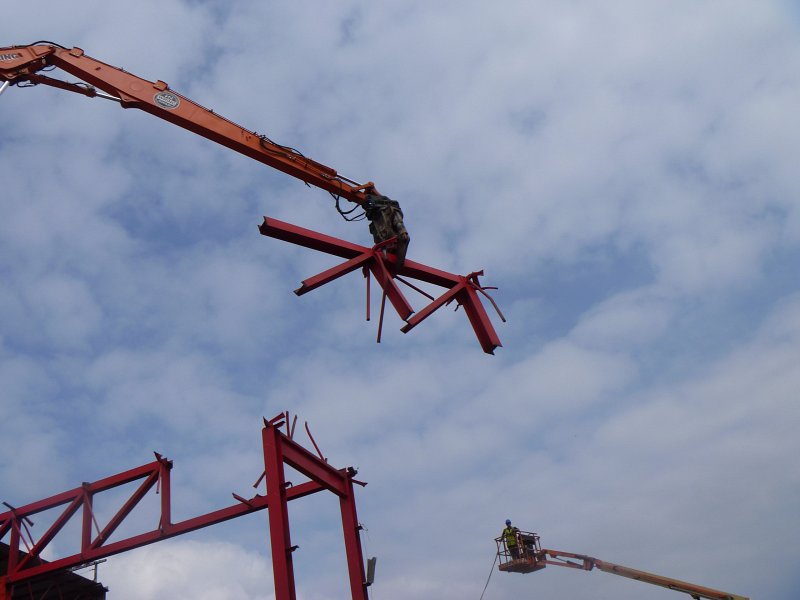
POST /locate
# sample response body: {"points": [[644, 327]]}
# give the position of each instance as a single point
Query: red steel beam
{"points": [[352, 543], [51, 533], [18, 573], [375, 263], [280, 538], [384, 266], [464, 292], [315, 469], [96, 487], [143, 539]]}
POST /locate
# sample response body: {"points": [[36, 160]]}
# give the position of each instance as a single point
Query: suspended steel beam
{"points": [[463, 290]]}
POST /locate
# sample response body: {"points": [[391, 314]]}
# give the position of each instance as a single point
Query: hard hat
{"points": [[508, 521]]}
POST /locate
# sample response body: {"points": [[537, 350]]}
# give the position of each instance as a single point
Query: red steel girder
{"points": [[461, 289], [280, 539]]}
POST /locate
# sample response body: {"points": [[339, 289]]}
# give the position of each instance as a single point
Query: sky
{"points": [[624, 172]]}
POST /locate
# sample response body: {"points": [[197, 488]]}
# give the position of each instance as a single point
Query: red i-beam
{"points": [[279, 450]]}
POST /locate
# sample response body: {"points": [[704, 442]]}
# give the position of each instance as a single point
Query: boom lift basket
{"points": [[529, 555]]}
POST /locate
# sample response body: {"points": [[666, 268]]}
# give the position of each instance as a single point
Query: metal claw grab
{"points": [[386, 225]]}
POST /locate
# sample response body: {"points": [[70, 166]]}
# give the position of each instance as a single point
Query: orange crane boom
{"points": [[529, 556], [21, 65]]}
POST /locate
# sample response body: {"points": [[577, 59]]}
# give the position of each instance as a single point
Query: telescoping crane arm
{"points": [[22, 65], [529, 557], [587, 563]]}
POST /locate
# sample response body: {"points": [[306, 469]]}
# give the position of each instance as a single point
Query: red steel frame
{"points": [[22, 64], [279, 450], [462, 289]]}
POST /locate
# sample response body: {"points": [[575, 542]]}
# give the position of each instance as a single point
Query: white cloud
{"points": [[630, 318], [207, 570]]}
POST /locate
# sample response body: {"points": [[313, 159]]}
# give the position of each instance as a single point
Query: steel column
{"points": [[352, 544], [279, 538]]}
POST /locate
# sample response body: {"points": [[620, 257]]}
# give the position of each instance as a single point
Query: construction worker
{"points": [[509, 535]]}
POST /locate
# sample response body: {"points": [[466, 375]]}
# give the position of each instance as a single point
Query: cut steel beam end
{"points": [[386, 266]]}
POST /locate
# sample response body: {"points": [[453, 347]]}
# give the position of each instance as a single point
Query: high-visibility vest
{"points": [[510, 533]]}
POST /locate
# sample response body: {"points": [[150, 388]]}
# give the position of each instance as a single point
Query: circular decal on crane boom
{"points": [[167, 100]]}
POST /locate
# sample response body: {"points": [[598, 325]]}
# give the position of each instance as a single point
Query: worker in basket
{"points": [[509, 536]]}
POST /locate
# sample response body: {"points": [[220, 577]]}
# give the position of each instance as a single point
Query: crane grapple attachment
{"points": [[386, 223], [385, 267]]}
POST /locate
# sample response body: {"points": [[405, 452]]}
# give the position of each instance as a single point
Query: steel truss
{"points": [[280, 450]]}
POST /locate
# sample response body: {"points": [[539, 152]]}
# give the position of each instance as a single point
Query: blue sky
{"points": [[624, 173]]}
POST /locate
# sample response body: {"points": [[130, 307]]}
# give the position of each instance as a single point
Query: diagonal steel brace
{"points": [[464, 290], [371, 259]]}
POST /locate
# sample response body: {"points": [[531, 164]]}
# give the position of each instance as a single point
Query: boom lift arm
{"points": [[22, 65], [531, 557]]}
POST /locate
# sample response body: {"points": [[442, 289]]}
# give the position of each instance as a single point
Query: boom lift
{"points": [[531, 557], [23, 65]]}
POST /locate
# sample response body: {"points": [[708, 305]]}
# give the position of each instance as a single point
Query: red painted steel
{"points": [[352, 542], [279, 449], [461, 289], [280, 539]]}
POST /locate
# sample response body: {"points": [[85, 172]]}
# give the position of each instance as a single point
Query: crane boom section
{"points": [[22, 63]]}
